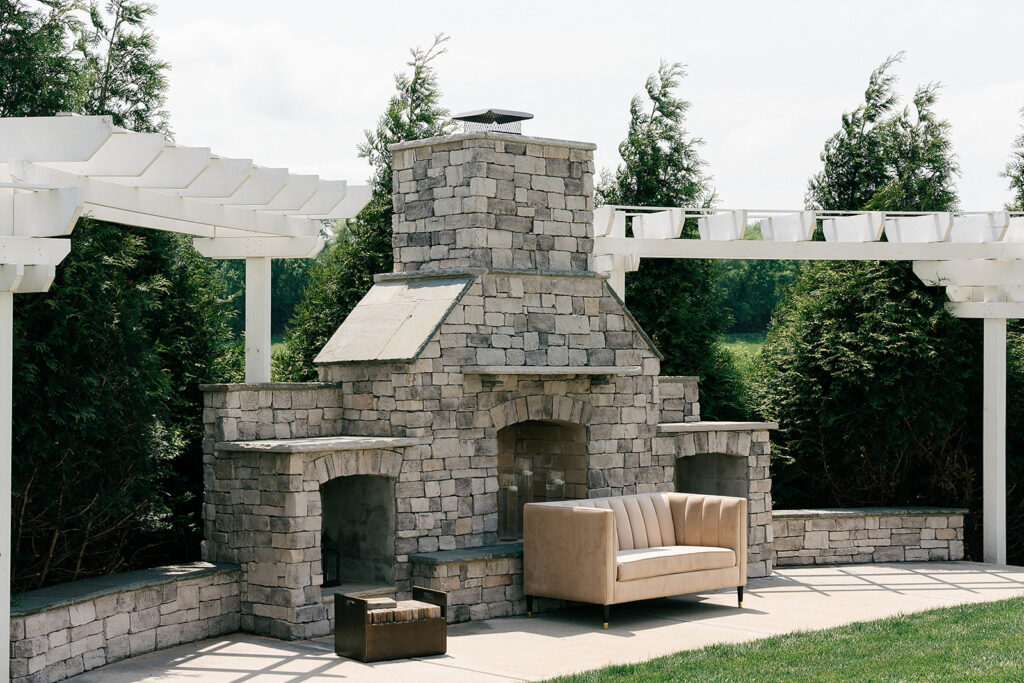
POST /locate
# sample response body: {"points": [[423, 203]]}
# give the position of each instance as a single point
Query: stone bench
{"points": [[848, 535], [63, 630]]}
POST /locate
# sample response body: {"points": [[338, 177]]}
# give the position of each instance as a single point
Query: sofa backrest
{"points": [[648, 520]]}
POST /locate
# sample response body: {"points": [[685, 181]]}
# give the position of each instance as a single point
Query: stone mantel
{"points": [[322, 444], [683, 427]]}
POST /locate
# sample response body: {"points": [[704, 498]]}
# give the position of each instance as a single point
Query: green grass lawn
{"points": [[746, 343], [968, 642]]}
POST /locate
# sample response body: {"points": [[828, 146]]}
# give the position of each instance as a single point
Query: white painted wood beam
{"points": [[39, 212], [298, 190], [100, 193], [986, 309], [33, 250], [994, 442], [253, 247], [123, 154], [979, 272], [824, 251], [53, 138], [356, 197], [260, 187], [328, 195], [175, 168], [6, 400], [221, 178], [257, 320]]}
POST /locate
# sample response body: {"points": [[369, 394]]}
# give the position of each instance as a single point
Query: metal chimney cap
{"points": [[493, 116]]}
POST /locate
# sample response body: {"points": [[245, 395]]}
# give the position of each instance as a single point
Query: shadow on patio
{"points": [[792, 599]]}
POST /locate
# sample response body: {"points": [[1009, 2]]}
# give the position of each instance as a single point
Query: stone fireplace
{"points": [[492, 341]]}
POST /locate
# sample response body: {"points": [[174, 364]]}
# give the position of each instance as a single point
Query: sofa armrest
{"points": [[569, 553], [717, 521]]}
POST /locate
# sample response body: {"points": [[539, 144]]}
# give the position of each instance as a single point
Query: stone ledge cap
{"points": [[77, 592], [475, 272], [270, 386], [490, 135], [321, 444], [682, 427], [479, 554], [826, 513]]}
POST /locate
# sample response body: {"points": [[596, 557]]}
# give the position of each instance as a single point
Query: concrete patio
{"points": [[550, 644]]}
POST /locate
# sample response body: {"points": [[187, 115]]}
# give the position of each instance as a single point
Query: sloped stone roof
{"points": [[394, 321]]}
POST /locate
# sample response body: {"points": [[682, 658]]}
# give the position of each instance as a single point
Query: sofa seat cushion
{"points": [[671, 559]]}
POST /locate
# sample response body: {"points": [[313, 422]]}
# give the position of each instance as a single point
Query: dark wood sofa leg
{"points": [[529, 605], [739, 594], [606, 609]]}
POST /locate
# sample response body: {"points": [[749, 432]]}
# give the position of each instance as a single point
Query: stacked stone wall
{"points": [[285, 410], [844, 536], [62, 631], [678, 399], [493, 200], [483, 583]]}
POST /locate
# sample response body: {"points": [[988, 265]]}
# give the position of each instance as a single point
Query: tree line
{"points": [[874, 384]]}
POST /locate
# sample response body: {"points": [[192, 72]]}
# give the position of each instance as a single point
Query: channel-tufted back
{"points": [[649, 520]]}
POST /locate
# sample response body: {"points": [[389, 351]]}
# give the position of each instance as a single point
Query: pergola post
{"points": [[6, 400], [257, 319], [994, 441]]}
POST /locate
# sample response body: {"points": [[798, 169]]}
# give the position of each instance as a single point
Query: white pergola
{"points": [[55, 169], [977, 256]]}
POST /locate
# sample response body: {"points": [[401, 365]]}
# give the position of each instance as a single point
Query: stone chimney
{"points": [[493, 200]]}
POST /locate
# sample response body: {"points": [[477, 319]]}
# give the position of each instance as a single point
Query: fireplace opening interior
{"points": [[713, 473], [358, 533], [540, 461]]}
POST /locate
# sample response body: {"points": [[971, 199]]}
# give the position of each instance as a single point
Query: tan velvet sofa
{"points": [[613, 550]]}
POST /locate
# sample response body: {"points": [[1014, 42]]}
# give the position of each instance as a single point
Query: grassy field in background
{"points": [[746, 343], [968, 642]]}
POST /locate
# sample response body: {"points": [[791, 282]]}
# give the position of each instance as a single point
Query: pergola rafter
{"points": [[977, 256], [55, 169]]}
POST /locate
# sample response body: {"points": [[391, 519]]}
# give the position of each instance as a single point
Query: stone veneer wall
{"points": [[482, 583], [285, 410], [493, 200], [679, 399], [751, 444], [842, 536], [61, 631]]}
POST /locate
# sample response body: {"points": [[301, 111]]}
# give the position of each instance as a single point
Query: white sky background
{"points": [[295, 83]]}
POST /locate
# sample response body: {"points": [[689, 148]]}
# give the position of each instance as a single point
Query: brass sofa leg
{"points": [[739, 594], [529, 606], [605, 609]]}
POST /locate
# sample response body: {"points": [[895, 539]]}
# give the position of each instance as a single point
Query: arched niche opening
{"points": [[358, 532], [555, 452], [716, 474]]}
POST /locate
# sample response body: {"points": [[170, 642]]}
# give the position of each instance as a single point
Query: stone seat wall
{"points": [[848, 535], [63, 630]]}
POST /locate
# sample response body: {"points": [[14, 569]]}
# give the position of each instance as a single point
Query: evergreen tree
{"points": [[38, 74], [344, 271], [679, 303], [862, 360], [126, 80], [1014, 172], [107, 422]]}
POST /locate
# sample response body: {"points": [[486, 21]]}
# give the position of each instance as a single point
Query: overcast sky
{"points": [[295, 83]]}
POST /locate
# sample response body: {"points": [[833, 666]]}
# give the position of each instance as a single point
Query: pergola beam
{"points": [[807, 251]]}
